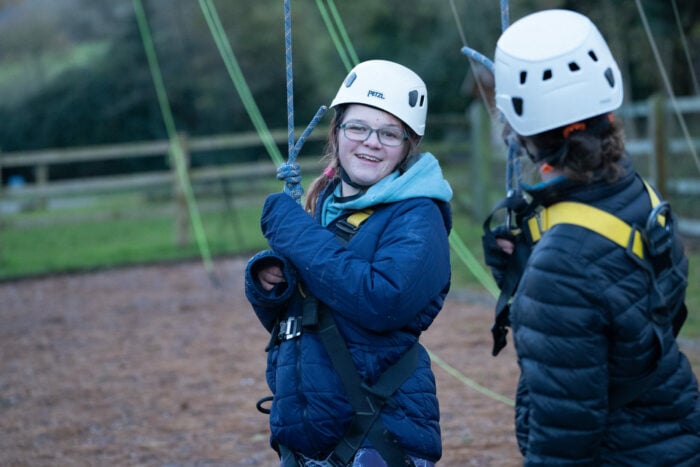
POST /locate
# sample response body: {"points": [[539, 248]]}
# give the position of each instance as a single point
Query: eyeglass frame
{"points": [[343, 126]]}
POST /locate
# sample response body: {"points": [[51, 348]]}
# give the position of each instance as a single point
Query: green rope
{"points": [[343, 32], [176, 151], [479, 272], [334, 36], [455, 373], [234, 70]]}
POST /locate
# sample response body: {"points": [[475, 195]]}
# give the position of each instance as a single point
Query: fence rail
{"points": [[657, 145], [35, 194]]}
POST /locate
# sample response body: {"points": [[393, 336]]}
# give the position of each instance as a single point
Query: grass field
{"points": [[116, 240]]}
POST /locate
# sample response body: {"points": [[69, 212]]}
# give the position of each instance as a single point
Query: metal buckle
{"points": [[290, 328], [659, 229]]}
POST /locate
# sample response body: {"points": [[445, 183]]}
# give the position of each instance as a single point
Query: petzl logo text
{"points": [[376, 94]]}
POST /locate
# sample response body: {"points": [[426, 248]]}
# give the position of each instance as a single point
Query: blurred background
{"points": [[110, 156], [74, 72]]}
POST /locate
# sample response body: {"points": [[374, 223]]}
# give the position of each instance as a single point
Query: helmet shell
{"points": [[553, 68], [387, 86]]}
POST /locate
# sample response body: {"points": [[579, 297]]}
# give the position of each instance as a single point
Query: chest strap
{"points": [[591, 218], [346, 228]]}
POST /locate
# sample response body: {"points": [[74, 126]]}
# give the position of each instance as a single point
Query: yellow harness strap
{"points": [[359, 217], [597, 220]]}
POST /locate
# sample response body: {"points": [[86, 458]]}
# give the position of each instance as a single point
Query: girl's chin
{"points": [[365, 181]]}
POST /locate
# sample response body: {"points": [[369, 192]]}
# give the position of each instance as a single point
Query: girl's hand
{"points": [[506, 245], [270, 277]]}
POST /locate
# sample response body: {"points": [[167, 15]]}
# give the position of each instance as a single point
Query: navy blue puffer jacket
{"points": [[384, 288], [581, 328]]}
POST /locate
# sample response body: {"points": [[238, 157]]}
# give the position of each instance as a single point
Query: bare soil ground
{"points": [[158, 366]]}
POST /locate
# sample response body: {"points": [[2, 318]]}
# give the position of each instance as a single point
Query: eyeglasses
{"points": [[388, 136]]}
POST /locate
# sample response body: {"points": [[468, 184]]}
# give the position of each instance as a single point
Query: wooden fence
{"points": [[35, 195], [657, 144]]}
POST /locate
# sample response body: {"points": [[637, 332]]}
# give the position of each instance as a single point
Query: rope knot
{"points": [[290, 174]]}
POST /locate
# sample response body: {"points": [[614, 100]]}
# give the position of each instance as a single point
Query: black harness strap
{"points": [[513, 271], [347, 226], [367, 401]]}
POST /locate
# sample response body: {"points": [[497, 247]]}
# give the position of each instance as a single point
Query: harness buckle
{"points": [[659, 229], [289, 328]]}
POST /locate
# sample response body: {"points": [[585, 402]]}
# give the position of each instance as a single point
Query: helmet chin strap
{"points": [[346, 178]]}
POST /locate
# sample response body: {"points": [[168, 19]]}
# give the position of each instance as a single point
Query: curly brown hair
{"points": [[589, 155]]}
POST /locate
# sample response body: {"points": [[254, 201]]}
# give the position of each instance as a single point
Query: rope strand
{"points": [[686, 50], [290, 74], [176, 151], [234, 70], [667, 84], [334, 36]]}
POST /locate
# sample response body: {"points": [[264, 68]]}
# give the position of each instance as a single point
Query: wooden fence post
{"points": [[41, 178], [182, 214], [657, 129]]}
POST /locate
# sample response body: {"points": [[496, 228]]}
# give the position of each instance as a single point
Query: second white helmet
{"points": [[387, 86], [554, 68]]}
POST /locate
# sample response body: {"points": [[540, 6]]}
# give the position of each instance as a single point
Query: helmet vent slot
{"points": [[517, 105], [593, 55], [573, 66], [350, 79], [412, 98], [523, 77], [547, 75], [610, 77]]}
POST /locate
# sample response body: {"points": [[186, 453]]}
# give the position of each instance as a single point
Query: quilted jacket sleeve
{"points": [[268, 304], [405, 267]]}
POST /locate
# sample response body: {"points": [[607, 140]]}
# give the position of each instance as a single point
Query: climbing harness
{"points": [[649, 246], [367, 400]]}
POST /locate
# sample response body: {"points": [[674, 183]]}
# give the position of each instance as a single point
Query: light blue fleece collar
{"points": [[423, 179]]}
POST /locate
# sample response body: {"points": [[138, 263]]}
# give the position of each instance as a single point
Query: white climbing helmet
{"points": [[554, 68], [387, 86]]}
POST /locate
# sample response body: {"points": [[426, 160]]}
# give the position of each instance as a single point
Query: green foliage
{"points": [[76, 73]]}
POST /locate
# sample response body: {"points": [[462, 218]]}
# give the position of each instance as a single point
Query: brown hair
{"points": [[331, 172], [592, 151]]}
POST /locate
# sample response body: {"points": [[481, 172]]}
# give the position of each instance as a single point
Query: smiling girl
{"points": [[380, 285]]}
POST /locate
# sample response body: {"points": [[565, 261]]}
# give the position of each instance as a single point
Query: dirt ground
{"points": [[159, 366]]}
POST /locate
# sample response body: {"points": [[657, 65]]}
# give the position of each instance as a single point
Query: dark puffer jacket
{"points": [[385, 287], [581, 327]]}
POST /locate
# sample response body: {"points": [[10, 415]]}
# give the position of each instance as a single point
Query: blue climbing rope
{"points": [[481, 58], [505, 15], [513, 174], [290, 172], [290, 74]]}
